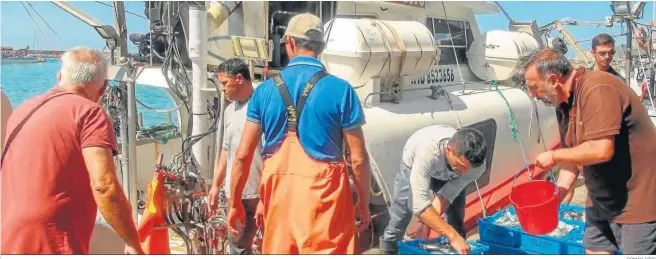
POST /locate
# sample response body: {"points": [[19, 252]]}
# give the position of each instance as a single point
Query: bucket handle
{"points": [[530, 168]]}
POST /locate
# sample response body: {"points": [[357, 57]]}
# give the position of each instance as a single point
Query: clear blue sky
{"points": [[17, 30], [547, 11]]}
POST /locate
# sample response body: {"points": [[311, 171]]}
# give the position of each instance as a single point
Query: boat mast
{"points": [[197, 52], [128, 122], [629, 41]]}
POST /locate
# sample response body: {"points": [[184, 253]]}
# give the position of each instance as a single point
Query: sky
{"points": [[17, 29], [545, 12]]}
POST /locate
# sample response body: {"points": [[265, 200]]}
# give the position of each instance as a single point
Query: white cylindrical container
{"points": [[496, 55], [360, 49]]}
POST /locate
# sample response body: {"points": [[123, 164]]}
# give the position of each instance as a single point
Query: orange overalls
{"points": [[154, 241], [308, 205]]}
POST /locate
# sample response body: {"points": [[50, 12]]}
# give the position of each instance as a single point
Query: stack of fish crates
{"points": [[503, 234], [439, 246]]}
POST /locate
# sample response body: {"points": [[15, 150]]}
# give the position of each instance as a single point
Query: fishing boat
{"points": [[412, 63]]}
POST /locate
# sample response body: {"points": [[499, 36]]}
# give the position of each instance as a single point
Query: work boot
{"points": [[387, 247]]}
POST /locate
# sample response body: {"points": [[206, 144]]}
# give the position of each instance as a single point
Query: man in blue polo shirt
{"points": [[306, 115]]}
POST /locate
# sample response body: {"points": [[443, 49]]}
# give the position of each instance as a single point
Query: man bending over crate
{"points": [[436, 159]]}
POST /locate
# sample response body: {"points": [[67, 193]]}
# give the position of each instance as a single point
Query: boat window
{"points": [[327, 11], [450, 34], [489, 129]]}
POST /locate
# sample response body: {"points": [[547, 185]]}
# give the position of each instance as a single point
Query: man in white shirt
{"points": [[436, 160], [236, 83]]}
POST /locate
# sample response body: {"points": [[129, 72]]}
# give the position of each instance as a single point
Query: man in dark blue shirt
{"points": [[603, 49], [306, 115]]}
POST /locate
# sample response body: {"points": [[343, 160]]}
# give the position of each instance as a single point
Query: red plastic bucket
{"points": [[536, 204]]}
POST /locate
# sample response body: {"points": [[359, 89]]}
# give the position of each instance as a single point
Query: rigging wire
{"points": [[47, 24], [644, 70], [126, 11], [152, 108], [37, 25], [504, 11], [453, 46], [616, 35], [462, 80]]}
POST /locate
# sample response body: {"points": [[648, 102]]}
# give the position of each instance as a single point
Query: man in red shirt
{"points": [[58, 166]]}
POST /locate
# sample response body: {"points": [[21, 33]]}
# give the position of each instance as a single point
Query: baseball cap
{"points": [[305, 26]]}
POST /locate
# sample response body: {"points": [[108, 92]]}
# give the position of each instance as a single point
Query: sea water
{"points": [[20, 82]]}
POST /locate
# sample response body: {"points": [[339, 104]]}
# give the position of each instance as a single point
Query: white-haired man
{"points": [[58, 167]]}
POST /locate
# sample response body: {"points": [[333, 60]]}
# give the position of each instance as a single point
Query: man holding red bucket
{"points": [[612, 141], [436, 160]]}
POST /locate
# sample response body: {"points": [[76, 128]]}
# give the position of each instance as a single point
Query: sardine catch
{"points": [[441, 248], [574, 215], [562, 230], [507, 220]]}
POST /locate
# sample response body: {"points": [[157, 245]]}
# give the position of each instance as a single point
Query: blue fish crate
{"points": [[494, 249], [411, 247], [572, 214], [512, 236]]}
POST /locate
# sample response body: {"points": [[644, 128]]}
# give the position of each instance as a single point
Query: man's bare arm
{"points": [[220, 171], [566, 178], [109, 196], [432, 217], [359, 163], [243, 158], [588, 153]]}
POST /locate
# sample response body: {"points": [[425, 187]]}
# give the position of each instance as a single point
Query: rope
{"points": [[514, 132], [478, 190], [453, 46], [47, 24], [616, 35], [37, 25], [151, 108], [169, 130], [128, 12]]}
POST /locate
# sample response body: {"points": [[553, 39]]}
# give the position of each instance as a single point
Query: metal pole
{"points": [[79, 14], [650, 58], [219, 132], [197, 52], [629, 42], [129, 120], [132, 145]]}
